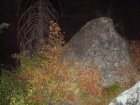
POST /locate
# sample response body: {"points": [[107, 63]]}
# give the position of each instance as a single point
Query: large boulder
{"points": [[128, 97], [98, 44]]}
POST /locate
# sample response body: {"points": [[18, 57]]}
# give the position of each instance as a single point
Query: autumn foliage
{"points": [[44, 79], [51, 80]]}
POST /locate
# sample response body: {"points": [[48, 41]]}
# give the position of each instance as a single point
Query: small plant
{"points": [[135, 53], [4, 25], [90, 80], [11, 89], [86, 85], [109, 93], [26, 60], [126, 76]]}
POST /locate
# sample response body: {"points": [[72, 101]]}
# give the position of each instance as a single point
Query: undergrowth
{"points": [[135, 53], [45, 80]]}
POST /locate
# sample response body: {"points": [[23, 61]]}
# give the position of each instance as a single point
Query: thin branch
{"points": [[33, 24]]}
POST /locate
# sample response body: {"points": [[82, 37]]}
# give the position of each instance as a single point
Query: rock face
{"points": [[99, 45], [128, 97]]}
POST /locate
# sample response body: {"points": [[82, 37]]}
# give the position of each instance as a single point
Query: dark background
{"points": [[73, 14]]}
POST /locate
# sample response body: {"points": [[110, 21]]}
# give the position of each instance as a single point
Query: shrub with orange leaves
{"points": [[90, 80], [135, 53], [127, 76], [86, 84], [49, 79]]}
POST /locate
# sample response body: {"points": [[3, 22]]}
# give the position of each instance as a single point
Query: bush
{"points": [[11, 89]]}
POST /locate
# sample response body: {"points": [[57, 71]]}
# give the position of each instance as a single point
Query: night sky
{"points": [[73, 14]]}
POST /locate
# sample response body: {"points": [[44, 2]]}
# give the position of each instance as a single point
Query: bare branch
{"points": [[34, 24]]}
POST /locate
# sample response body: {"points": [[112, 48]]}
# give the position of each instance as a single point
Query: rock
{"points": [[98, 44], [67, 103], [128, 97]]}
